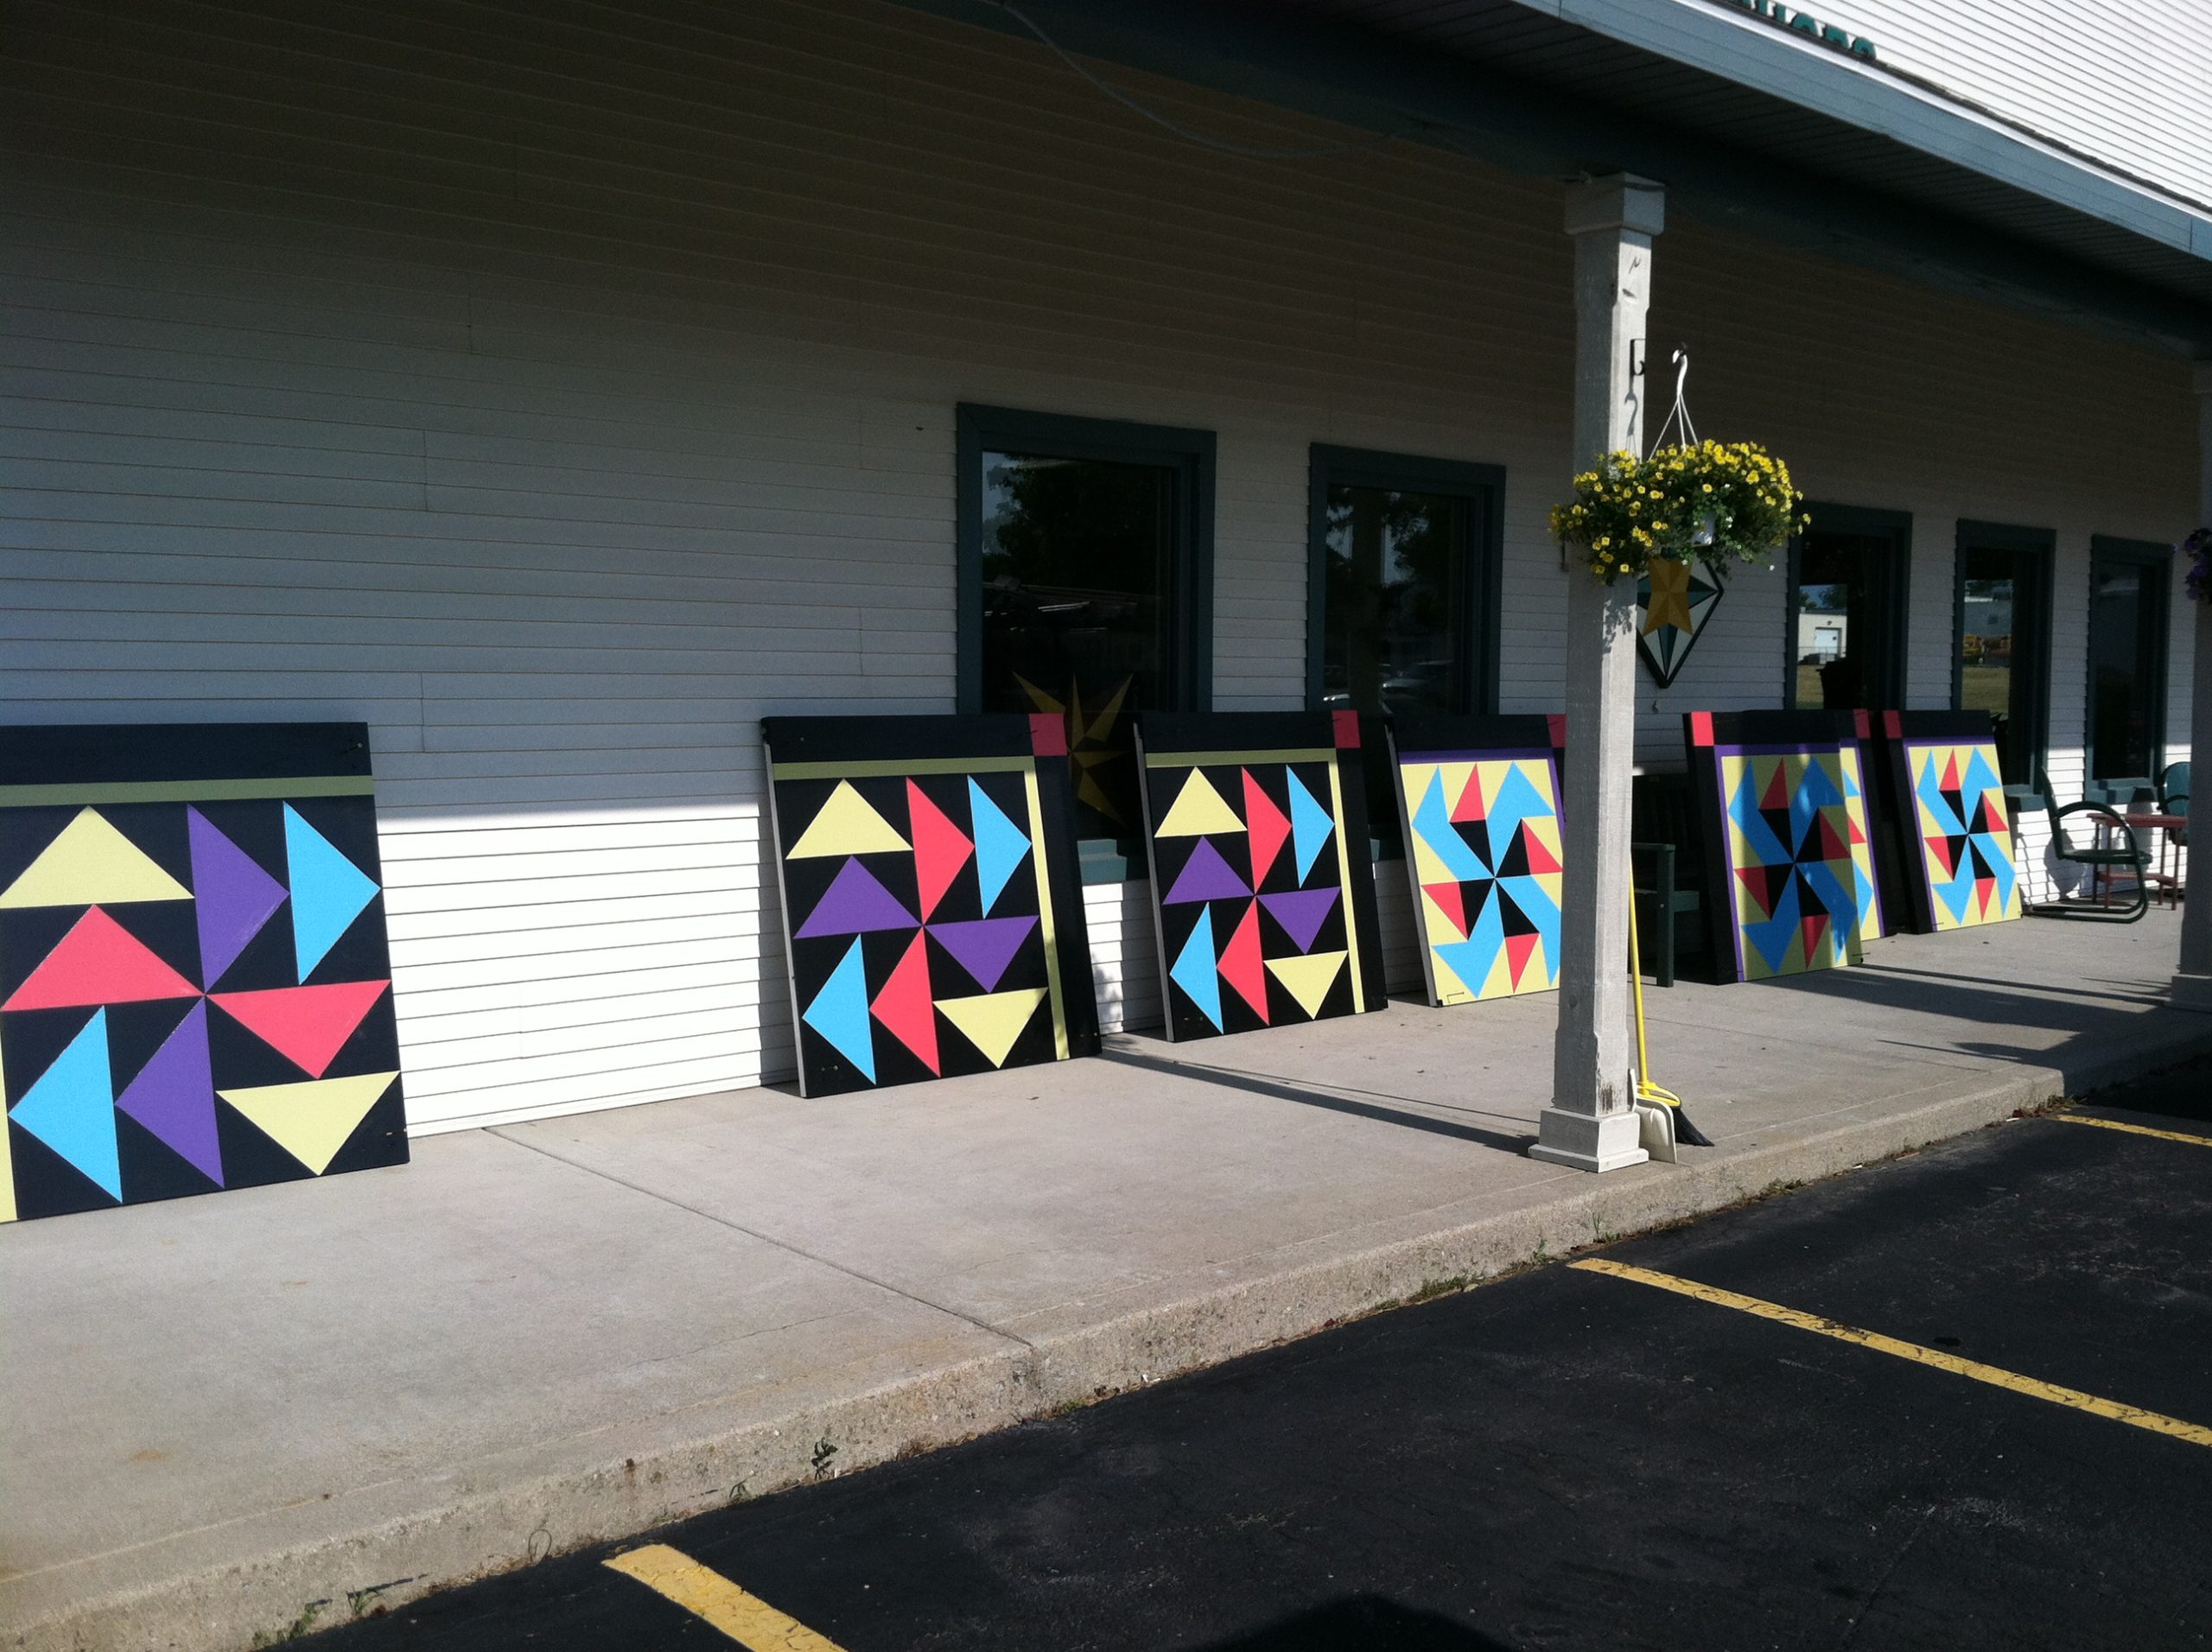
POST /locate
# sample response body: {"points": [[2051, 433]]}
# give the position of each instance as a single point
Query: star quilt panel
{"points": [[1262, 887], [1789, 853], [1952, 830], [1674, 601], [1478, 805], [932, 905], [195, 988]]}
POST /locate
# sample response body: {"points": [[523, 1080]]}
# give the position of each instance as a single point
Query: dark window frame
{"points": [[2141, 553], [980, 430], [1477, 628], [2041, 544], [1896, 527]]}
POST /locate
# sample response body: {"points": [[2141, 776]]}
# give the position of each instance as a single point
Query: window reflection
{"points": [[1838, 645], [1395, 591], [2127, 704], [1999, 634], [1077, 559]]}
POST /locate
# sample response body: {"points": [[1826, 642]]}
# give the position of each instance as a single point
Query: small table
{"points": [[2167, 881]]}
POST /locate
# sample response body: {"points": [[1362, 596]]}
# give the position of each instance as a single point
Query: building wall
{"points": [[562, 401]]}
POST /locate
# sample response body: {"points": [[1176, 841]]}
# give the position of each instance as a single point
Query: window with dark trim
{"points": [[2130, 592], [1085, 583], [1402, 594], [1850, 586], [2000, 639]]}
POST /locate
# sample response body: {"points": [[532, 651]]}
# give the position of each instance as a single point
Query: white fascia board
{"points": [[1755, 52]]}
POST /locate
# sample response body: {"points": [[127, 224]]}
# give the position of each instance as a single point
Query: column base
{"points": [[2190, 991], [1587, 1142]]}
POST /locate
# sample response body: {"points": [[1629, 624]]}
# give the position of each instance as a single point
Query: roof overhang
{"points": [[1747, 125]]}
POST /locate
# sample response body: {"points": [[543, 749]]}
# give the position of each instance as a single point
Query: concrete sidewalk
{"points": [[219, 1415]]}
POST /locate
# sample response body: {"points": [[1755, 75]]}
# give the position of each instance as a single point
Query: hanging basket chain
{"points": [[1715, 502]]}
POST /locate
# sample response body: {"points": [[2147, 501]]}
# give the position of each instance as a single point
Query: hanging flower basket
{"points": [[2198, 548], [1715, 502]]}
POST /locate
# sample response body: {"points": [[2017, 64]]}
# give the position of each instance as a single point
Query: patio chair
{"points": [[2100, 855], [2173, 796]]}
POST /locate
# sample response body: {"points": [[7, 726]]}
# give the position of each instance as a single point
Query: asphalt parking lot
{"points": [[1961, 1399]]}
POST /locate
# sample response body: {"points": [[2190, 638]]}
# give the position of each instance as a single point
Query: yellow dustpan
{"points": [[1661, 1125]]}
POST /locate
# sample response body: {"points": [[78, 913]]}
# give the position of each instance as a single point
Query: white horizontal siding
{"points": [[2129, 86], [562, 389]]}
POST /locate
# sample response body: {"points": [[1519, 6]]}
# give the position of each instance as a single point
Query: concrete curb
{"points": [[689, 1464]]}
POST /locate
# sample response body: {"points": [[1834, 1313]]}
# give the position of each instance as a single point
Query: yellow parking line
{"points": [[2131, 1129], [2195, 1433], [708, 1595]]}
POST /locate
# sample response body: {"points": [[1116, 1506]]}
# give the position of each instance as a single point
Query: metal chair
{"points": [[1664, 857], [2100, 855], [2173, 796]]}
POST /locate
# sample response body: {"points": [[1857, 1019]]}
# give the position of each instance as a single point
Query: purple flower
{"points": [[2198, 548]]}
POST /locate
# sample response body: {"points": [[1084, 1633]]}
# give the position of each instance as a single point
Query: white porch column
{"points": [[1591, 1123], [2197, 912]]}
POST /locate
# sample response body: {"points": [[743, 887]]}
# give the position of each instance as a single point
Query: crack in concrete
{"points": [[501, 1131]]}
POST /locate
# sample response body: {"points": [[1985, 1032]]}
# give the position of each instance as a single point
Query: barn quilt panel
{"points": [[931, 902], [195, 987], [1788, 849], [1262, 886], [1478, 805], [1953, 828]]}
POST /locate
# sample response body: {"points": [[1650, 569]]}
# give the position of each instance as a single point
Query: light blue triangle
{"points": [[1770, 937], [1980, 776], [1744, 810], [1310, 824], [1929, 790], [1195, 970], [1517, 799], [1433, 824], [1000, 846], [1958, 892], [1538, 907], [1472, 959], [72, 1108], [328, 891], [839, 1013], [1999, 850]]}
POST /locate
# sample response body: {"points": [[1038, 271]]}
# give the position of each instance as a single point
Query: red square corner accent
{"points": [[1863, 720], [1893, 724], [1558, 722], [1347, 729], [1701, 728], [1048, 734]]}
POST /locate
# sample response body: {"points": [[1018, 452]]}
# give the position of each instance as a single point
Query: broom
{"points": [[1647, 1092]]}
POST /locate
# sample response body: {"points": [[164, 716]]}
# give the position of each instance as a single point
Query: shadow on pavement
{"points": [[1503, 1142], [2182, 1092], [1361, 1624]]}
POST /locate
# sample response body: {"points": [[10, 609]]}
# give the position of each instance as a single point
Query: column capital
{"points": [[1620, 200]]}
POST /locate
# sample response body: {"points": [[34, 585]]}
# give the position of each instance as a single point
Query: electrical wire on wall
{"points": [[1242, 151]]}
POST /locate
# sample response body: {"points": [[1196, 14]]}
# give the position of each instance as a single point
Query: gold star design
{"points": [[1670, 603]]}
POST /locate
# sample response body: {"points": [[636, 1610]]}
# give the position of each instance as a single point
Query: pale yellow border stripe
{"points": [[309, 785], [897, 766], [1344, 884], [714, 1599], [2035, 1388], [7, 1165], [1233, 759], [1045, 910], [2133, 1129]]}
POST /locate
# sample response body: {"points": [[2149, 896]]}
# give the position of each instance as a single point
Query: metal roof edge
{"points": [[1783, 64]]}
